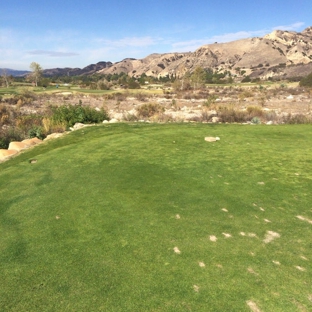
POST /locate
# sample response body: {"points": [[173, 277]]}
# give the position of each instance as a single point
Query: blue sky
{"points": [[77, 33]]}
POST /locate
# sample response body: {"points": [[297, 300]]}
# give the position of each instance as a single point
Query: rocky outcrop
{"points": [[278, 54]]}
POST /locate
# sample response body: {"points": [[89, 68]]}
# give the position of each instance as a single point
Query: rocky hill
{"points": [[279, 54], [88, 70]]}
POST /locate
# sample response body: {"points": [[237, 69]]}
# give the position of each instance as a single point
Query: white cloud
{"points": [[194, 44], [128, 42], [52, 53], [294, 26]]}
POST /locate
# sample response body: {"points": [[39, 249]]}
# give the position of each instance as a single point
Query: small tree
{"points": [[306, 81], [5, 78], [198, 77], [36, 72]]}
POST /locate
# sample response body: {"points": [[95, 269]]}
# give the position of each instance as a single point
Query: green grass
{"points": [[92, 225]]}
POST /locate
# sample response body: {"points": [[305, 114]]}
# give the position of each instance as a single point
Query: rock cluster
{"points": [[16, 147]]}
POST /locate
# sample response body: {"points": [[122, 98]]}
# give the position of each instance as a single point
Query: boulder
{"points": [[77, 125], [6, 153], [32, 141], [113, 120], [18, 146]]}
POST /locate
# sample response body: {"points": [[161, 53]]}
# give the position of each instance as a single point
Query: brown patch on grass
{"points": [[300, 268], [304, 219], [252, 235], [213, 238], [227, 235], [176, 250], [252, 305], [270, 236], [261, 183], [251, 271], [196, 288]]}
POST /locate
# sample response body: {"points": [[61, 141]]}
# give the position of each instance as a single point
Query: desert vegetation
{"points": [[27, 111]]}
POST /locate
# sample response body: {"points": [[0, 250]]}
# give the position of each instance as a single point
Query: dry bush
{"points": [[255, 111], [297, 119], [51, 126], [140, 96], [8, 115], [150, 109], [129, 117], [161, 117], [230, 115], [9, 134], [118, 96]]}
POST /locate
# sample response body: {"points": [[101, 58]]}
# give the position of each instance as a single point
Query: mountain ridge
{"points": [[279, 54]]}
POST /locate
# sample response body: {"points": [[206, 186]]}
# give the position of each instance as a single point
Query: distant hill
{"points": [[13, 72], [88, 70]]}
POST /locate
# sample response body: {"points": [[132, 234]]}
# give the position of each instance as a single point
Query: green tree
{"points": [[306, 81], [36, 72], [198, 77]]}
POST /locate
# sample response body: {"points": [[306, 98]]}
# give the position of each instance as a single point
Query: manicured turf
{"points": [[124, 217]]}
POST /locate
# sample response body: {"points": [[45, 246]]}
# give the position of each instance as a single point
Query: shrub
{"points": [[306, 81], [9, 134], [255, 121], [254, 111], [229, 114], [150, 109], [37, 132], [70, 114], [246, 79], [297, 119]]}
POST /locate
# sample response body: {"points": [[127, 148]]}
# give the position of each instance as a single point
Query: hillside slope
{"points": [[280, 53]]}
